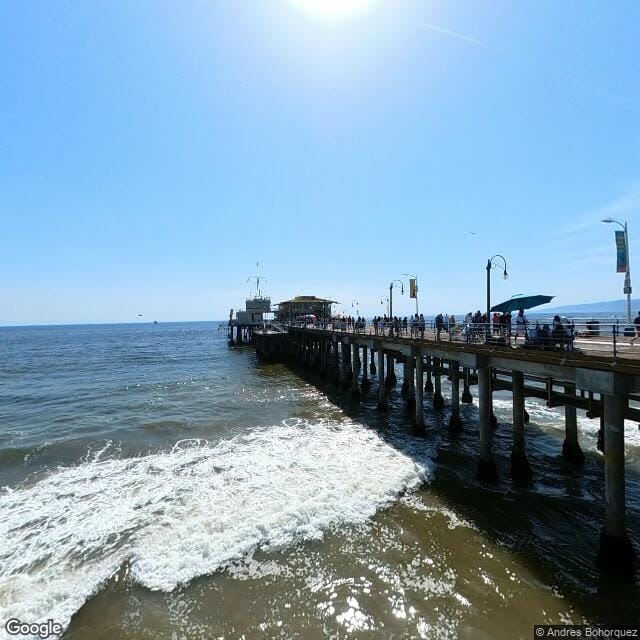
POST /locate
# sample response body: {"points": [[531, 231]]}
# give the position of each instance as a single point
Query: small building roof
{"points": [[308, 300]]}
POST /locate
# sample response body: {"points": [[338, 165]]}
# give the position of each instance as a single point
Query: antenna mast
{"points": [[257, 279]]}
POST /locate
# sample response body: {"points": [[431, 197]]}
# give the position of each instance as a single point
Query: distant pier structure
{"points": [[351, 357], [243, 324], [304, 308]]}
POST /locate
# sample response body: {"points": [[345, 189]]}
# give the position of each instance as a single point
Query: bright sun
{"points": [[332, 9]]}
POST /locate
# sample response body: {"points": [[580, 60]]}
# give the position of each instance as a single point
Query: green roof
{"points": [[308, 300]]}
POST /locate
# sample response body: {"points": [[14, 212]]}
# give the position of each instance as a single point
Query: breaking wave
{"points": [[189, 511]]}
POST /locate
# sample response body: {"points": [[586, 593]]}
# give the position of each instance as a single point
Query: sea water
{"points": [[158, 484]]}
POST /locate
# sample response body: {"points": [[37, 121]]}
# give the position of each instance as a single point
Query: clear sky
{"points": [[151, 152]]}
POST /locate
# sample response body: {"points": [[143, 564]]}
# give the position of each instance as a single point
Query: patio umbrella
{"points": [[521, 302]]}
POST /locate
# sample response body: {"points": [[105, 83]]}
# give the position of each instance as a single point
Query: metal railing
{"points": [[590, 337]]}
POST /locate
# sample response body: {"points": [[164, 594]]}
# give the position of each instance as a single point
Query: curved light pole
{"points": [[627, 275], [505, 275], [391, 285], [409, 275]]}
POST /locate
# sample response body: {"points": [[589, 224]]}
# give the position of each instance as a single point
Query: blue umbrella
{"points": [[521, 302]]}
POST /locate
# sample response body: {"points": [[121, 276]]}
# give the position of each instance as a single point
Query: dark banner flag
{"points": [[621, 248], [413, 288]]}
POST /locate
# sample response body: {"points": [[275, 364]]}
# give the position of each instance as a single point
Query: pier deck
{"points": [[588, 353]]}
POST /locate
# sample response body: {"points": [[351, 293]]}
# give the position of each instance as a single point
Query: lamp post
{"points": [[391, 285], [505, 275], [627, 275], [416, 279]]}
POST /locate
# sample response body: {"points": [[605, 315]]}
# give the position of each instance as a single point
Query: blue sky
{"points": [[152, 151]]}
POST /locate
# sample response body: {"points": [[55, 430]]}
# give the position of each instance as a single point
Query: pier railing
{"points": [[598, 338]]}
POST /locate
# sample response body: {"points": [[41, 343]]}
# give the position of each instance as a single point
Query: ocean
{"points": [[156, 483]]}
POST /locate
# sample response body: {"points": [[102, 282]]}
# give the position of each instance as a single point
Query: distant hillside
{"points": [[608, 306]]}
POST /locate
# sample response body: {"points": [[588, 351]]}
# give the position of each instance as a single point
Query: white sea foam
{"points": [[191, 511], [553, 418]]}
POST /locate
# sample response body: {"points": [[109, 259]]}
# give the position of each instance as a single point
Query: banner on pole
{"points": [[413, 288], [621, 250]]}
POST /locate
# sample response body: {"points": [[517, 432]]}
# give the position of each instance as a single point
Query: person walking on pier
{"points": [[496, 324], [521, 326], [421, 326], [439, 325], [405, 324]]}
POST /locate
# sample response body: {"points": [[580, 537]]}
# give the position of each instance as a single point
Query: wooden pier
{"points": [[602, 385], [240, 334]]}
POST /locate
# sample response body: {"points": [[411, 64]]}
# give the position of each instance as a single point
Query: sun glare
{"points": [[332, 9]]}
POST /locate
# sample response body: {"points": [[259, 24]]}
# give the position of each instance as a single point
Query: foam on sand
{"points": [[189, 511]]}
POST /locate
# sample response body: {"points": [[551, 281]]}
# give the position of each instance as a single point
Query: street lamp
{"points": [[416, 279], [391, 285], [627, 275], [505, 275]]}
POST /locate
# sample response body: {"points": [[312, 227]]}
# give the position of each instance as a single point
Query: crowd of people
{"points": [[413, 326], [349, 323], [474, 326]]}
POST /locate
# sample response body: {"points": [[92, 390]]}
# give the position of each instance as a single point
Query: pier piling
{"points": [[382, 398], [487, 470], [520, 467], [365, 384], [409, 365], [428, 385], [419, 391], [455, 423], [355, 389], [616, 551], [467, 398], [438, 400], [571, 450], [391, 379], [404, 389]]}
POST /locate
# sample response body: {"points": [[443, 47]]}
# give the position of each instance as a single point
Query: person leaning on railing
{"points": [[557, 332]]}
